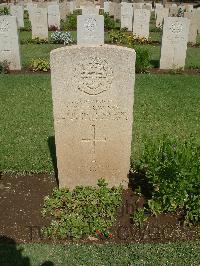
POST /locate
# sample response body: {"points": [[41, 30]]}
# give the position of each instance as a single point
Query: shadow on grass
{"points": [[139, 180], [11, 254], [52, 149], [155, 63]]}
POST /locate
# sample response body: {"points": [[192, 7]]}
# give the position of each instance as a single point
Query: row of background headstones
{"points": [[90, 30], [125, 12]]}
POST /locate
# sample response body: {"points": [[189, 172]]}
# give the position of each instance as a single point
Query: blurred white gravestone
{"points": [[9, 42], [54, 16], [90, 29], [106, 7], [174, 43], [90, 11], [93, 113], [193, 28], [127, 16], [161, 14], [39, 23], [141, 23], [18, 12]]}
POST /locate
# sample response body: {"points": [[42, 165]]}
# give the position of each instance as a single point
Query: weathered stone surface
{"points": [[9, 43], [112, 9], [161, 14], [64, 11], [193, 28], [173, 11], [18, 12], [92, 90], [29, 8], [90, 29], [174, 43], [54, 16], [141, 23], [158, 7], [127, 16], [117, 11], [39, 23], [90, 11]]}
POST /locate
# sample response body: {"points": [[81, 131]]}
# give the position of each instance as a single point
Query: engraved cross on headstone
{"points": [[93, 139]]}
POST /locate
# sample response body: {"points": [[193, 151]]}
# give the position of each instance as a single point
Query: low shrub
{"points": [[172, 168], [126, 38], [82, 211], [35, 41], [4, 11], [70, 23], [61, 37], [143, 57], [109, 23], [40, 64], [4, 67]]}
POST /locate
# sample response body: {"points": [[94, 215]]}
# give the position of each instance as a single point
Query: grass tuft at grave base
{"points": [[164, 104], [130, 254]]}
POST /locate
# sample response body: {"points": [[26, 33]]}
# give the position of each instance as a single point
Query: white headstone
{"points": [[39, 23], [18, 12], [141, 23], [158, 7], [93, 113], [9, 42], [106, 7], [117, 11], [193, 28], [174, 43], [161, 14], [90, 11], [90, 29], [64, 11], [173, 11], [54, 16], [127, 16]]}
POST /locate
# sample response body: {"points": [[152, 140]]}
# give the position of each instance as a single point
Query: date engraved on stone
{"points": [[94, 76]]}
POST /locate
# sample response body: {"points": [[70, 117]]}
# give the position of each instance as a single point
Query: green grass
{"points": [[179, 254], [164, 104], [33, 51]]}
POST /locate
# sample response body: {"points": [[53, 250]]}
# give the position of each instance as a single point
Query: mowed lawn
{"points": [[179, 254], [164, 104], [33, 51]]}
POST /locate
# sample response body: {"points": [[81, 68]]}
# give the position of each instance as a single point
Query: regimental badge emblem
{"points": [[94, 75]]}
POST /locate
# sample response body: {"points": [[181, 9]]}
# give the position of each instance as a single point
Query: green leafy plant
{"points": [[138, 216], [172, 167], [39, 41], [82, 211], [70, 23], [109, 23], [4, 67], [143, 58], [4, 11], [126, 38], [40, 64], [61, 37]]}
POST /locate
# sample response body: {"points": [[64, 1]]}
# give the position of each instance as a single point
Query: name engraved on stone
{"points": [[95, 76], [90, 24], [94, 110]]}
